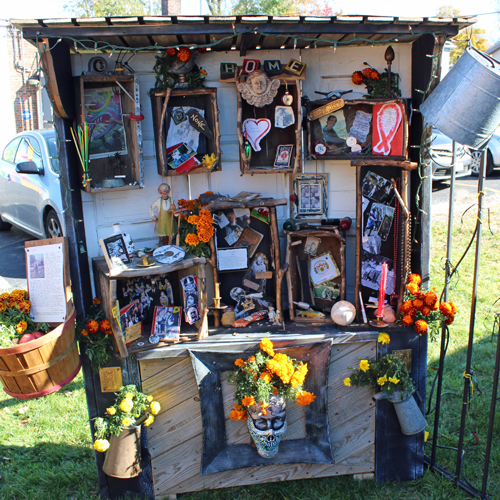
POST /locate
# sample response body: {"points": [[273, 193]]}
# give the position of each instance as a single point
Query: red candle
{"points": [[381, 292]]}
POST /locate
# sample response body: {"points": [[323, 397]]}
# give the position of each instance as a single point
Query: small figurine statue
{"points": [[258, 89], [162, 212], [271, 314]]}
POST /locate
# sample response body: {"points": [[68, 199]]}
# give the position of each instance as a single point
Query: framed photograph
{"points": [[232, 259], [283, 116], [312, 245], [312, 195], [115, 252], [179, 154], [283, 156], [130, 321], [103, 113], [250, 238], [166, 323]]}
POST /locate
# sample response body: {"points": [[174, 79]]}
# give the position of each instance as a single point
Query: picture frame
{"points": [[166, 324], [323, 269], [115, 252], [312, 244], [312, 195], [232, 259], [284, 156], [251, 239]]}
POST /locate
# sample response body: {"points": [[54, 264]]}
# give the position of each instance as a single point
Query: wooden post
{"points": [[275, 238]]}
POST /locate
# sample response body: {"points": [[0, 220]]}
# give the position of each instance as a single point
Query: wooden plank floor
{"points": [[176, 437]]}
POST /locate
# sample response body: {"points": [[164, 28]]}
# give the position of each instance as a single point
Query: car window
{"points": [[9, 152], [29, 150], [52, 146]]}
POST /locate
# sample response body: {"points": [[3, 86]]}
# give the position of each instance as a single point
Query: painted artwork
{"points": [[103, 113]]}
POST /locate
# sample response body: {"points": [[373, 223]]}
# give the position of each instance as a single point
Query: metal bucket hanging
{"points": [[409, 415], [465, 106], [123, 458]]}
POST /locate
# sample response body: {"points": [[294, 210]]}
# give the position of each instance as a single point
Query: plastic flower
{"points": [[111, 410], [21, 327], [364, 365], [347, 381], [126, 422], [184, 54], [192, 240], [407, 320], [101, 445], [384, 338], [393, 380], [239, 362], [412, 288], [421, 327], [267, 346], [92, 326], [126, 405], [209, 160], [382, 380], [248, 401], [357, 78], [155, 408], [305, 398], [414, 278], [171, 51], [96, 301], [149, 420]]}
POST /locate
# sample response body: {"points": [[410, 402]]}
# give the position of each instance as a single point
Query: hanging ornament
{"points": [[287, 98], [248, 151], [320, 148]]}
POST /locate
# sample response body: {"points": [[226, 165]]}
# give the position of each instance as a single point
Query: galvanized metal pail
{"points": [[409, 415], [465, 105], [123, 458]]}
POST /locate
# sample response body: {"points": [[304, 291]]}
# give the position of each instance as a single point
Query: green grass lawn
{"points": [[46, 449]]}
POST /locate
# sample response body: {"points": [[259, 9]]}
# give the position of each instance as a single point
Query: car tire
{"points": [[4, 226], [474, 168], [52, 225]]}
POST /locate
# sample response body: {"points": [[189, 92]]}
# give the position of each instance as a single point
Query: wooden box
{"points": [[103, 170], [262, 162], [344, 126], [299, 284], [162, 104]]}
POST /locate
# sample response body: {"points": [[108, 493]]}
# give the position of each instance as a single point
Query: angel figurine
{"points": [[258, 89], [162, 212]]}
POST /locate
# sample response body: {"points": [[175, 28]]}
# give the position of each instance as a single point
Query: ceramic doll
{"points": [[162, 212]]}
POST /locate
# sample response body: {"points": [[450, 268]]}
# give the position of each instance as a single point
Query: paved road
{"points": [[12, 261]]}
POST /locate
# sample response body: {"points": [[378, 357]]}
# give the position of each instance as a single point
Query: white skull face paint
{"points": [[267, 430]]}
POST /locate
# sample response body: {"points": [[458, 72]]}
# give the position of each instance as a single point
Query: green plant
{"points": [[390, 374], [94, 334], [15, 319], [377, 84], [131, 407], [264, 374]]}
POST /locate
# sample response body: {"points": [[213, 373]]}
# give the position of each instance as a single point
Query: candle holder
{"points": [[378, 323], [217, 302]]}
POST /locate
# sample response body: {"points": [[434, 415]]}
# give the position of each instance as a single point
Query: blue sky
{"points": [[33, 9]]}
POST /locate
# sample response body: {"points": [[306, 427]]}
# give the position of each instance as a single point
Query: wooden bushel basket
{"points": [[42, 366]]}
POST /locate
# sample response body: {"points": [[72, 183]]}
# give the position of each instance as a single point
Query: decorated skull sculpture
{"points": [[267, 430]]}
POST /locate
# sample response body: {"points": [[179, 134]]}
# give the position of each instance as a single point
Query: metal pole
{"points": [[467, 374], [492, 418], [443, 329]]}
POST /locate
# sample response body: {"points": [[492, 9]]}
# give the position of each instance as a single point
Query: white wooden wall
{"points": [[327, 69]]}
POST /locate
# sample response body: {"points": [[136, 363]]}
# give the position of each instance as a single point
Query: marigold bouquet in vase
{"points": [[131, 408], [423, 310], [377, 84], [16, 323], [196, 227], [95, 334]]}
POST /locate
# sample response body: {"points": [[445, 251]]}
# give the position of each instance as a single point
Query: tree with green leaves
{"points": [[104, 8], [475, 35]]}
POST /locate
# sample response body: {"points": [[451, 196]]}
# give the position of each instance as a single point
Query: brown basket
{"points": [[42, 366]]}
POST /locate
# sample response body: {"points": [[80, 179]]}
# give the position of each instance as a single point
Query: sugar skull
{"points": [[267, 430]]}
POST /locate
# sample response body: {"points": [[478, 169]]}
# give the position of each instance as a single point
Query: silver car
{"points": [[30, 192], [492, 159], [442, 155]]}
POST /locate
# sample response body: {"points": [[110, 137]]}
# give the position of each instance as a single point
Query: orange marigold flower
{"points": [[267, 346], [183, 217], [374, 74], [251, 359], [192, 239], [426, 311], [430, 299], [238, 407], [282, 366], [266, 377], [171, 51], [105, 326], [299, 375], [248, 401], [406, 307], [92, 326], [421, 326], [407, 320], [305, 398], [414, 278], [2, 307], [21, 327], [357, 78], [96, 301], [84, 333], [238, 415], [4, 296], [453, 308], [367, 72], [449, 321], [193, 219], [204, 212], [184, 54], [412, 288], [418, 304], [239, 362], [275, 390], [24, 306], [203, 72], [445, 309]]}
